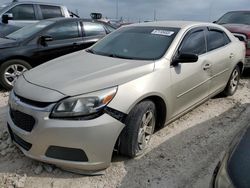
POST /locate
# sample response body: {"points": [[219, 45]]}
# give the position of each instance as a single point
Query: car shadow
{"points": [[246, 73], [186, 159], [181, 159]]}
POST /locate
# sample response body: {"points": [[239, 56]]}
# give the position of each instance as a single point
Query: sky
{"points": [[141, 10]]}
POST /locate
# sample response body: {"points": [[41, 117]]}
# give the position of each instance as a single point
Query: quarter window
{"points": [[216, 39], [51, 11], [23, 12], [64, 31], [92, 29], [194, 43]]}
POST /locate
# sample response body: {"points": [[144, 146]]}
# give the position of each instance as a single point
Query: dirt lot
{"points": [[183, 154]]}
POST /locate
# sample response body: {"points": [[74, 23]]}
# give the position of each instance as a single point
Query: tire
{"points": [[233, 82], [10, 70], [132, 141]]}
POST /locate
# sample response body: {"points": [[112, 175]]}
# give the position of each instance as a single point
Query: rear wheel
{"points": [[233, 82], [11, 70], [140, 125]]}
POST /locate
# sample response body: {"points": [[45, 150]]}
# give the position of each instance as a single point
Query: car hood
{"points": [[8, 43], [238, 28], [83, 72]]}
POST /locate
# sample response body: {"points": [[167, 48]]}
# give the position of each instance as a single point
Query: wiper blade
{"points": [[91, 51], [108, 55], [118, 56]]}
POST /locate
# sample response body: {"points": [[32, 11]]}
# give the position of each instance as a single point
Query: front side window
{"points": [[216, 39], [67, 30], [93, 29], [142, 43], [194, 43], [23, 12], [50, 11]]}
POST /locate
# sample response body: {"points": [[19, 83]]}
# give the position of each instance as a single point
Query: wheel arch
{"points": [[241, 66], [26, 59], [161, 110]]}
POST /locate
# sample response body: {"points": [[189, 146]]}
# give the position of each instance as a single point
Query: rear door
{"points": [[191, 81], [220, 56], [66, 38]]}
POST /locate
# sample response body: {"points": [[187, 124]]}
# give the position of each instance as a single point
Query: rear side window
{"points": [[64, 31], [216, 39], [23, 12], [50, 11], [194, 43], [92, 29]]}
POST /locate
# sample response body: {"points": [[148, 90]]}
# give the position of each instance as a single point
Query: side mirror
{"points": [[214, 21], [44, 39], [185, 58], [6, 17]]}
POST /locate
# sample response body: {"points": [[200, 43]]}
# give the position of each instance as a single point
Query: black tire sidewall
{"points": [[5, 65], [129, 135]]}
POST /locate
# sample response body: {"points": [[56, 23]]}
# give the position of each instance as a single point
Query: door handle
{"points": [[231, 56], [206, 66]]}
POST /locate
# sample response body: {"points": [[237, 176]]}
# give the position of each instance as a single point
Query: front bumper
{"points": [[95, 138]]}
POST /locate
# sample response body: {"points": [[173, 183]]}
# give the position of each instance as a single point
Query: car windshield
{"points": [[29, 30], [235, 17], [142, 43]]}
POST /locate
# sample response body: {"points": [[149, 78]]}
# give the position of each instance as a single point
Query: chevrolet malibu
{"points": [[74, 111]]}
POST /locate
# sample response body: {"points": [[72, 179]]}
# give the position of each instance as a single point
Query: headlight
{"points": [[83, 105]]}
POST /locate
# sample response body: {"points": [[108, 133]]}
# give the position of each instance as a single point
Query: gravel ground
{"points": [[183, 154]]}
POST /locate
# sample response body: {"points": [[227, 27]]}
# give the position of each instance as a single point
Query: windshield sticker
{"points": [[162, 32]]}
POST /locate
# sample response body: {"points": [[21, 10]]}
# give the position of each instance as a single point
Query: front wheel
{"points": [[11, 70], [233, 82], [140, 125]]}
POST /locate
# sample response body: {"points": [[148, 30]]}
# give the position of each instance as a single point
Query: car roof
{"points": [[173, 23], [34, 2], [238, 11], [63, 19]]}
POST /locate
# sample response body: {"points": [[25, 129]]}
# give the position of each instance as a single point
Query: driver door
{"points": [[191, 81]]}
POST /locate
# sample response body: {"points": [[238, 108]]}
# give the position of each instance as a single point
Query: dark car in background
{"points": [[238, 22], [21, 13], [48, 39], [6, 29], [234, 169]]}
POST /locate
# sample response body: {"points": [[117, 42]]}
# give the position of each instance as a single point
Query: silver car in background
{"points": [[73, 111]]}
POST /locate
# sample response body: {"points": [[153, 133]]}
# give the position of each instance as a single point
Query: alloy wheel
{"points": [[13, 72], [146, 130]]}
